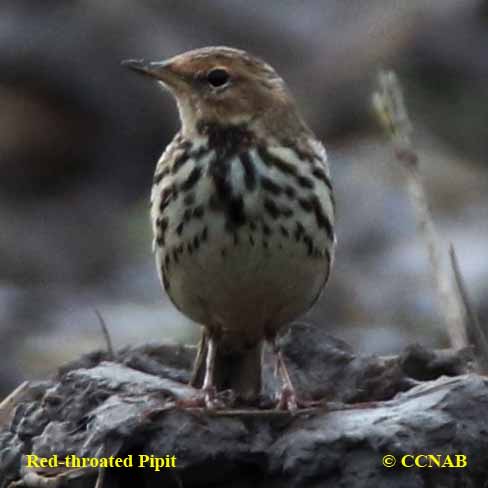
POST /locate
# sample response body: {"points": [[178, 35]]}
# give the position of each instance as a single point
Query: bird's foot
{"points": [[209, 399], [289, 401], [215, 400]]}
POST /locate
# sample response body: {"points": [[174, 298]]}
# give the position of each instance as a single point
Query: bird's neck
{"points": [[273, 124], [226, 139]]}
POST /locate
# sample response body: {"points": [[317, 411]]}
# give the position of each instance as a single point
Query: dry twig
{"points": [[476, 334], [389, 105], [106, 335]]}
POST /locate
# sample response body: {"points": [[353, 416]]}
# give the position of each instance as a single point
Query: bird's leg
{"points": [[203, 376], [287, 397], [208, 381], [196, 376], [276, 365]]}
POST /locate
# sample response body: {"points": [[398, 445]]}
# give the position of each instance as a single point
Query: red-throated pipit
{"points": [[242, 212]]}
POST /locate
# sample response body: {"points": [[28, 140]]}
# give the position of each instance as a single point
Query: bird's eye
{"points": [[218, 77]]}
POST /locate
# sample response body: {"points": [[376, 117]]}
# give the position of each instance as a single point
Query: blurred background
{"points": [[79, 138]]}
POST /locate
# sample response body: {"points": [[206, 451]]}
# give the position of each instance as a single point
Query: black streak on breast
{"points": [[228, 142]]}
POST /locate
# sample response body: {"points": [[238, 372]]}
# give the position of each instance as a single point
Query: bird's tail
{"points": [[239, 371]]}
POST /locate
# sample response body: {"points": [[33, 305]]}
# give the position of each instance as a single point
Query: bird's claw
{"points": [[209, 399], [287, 400]]}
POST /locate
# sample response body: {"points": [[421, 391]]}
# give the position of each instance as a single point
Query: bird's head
{"points": [[224, 86]]}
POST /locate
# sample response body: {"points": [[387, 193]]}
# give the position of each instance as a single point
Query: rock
{"points": [[138, 404]]}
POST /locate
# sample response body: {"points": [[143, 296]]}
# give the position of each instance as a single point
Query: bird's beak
{"points": [[161, 70]]}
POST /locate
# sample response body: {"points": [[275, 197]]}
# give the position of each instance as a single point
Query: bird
{"points": [[242, 212]]}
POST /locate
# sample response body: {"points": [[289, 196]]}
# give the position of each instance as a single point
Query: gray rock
{"points": [[137, 403]]}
